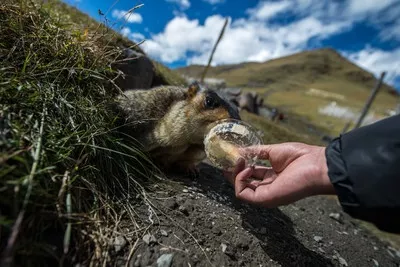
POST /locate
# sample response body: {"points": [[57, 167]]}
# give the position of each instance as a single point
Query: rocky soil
{"points": [[198, 222]]}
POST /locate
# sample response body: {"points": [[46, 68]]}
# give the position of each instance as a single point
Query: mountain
{"points": [[307, 83]]}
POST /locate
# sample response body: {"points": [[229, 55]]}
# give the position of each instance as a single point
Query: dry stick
{"points": [[371, 98], [213, 51], [8, 252], [131, 252]]}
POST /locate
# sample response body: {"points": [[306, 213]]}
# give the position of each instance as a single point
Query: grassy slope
{"points": [[285, 81], [65, 172]]}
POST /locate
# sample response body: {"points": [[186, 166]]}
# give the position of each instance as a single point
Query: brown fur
{"points": [[171, 122]]}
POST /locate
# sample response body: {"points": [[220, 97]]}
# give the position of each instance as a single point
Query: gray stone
{"points": [[119, 243], [137, 70], [148, 239], [223, 247], [163, 233], [165, 260], [342, 261], [335, 216], [318, 238]]}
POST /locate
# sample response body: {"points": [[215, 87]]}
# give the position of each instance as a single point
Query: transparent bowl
{"points": [[226, 137]]}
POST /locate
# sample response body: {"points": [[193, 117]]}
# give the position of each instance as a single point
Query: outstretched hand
{"points": [[297, 171]]}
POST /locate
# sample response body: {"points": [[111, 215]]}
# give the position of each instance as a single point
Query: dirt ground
{"points": [[198, 222]]}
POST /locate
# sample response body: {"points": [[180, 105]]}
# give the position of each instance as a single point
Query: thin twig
{"points": [[131, 252], [213, 51]]}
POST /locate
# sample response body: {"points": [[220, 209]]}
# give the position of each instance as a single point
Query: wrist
{"points": [[325, 184]]}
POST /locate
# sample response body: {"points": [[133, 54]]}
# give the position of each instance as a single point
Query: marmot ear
{"points": [[193, 89]]}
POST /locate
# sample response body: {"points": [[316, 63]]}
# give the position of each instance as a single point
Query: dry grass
{"points": [[68, 178]]}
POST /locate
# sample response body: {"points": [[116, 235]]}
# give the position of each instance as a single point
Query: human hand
{"points": [[297, 171]]}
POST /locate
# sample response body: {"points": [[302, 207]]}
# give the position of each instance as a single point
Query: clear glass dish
{"points": [[226, 137]]}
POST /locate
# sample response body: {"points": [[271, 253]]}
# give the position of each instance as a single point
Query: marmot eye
{"points": [[211, 102]]}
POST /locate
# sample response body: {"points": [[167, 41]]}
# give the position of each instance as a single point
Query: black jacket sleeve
{"points": [[364, 168]]}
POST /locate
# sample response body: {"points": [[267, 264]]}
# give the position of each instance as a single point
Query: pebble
{"points": [[342, 261], [376, 263], [148, 238], [184, 210], [165, 260], [335, 216], [223, 247], [228, 250], [163, 233], [119, 243], [185, 191], [318, 238]]}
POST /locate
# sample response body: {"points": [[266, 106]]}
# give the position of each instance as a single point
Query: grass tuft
{"points": [[67, 176]]}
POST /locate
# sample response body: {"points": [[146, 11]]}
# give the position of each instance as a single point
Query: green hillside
{"points": [[304, 82]]}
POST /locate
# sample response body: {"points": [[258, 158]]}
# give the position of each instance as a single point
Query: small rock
{"points": [[335, 216], [119, 243], [318, 238], [171, 204], [228, 249], [342, 261], [163, 233], [148, 238], [321, 250], [243, 242], [223, 247], [184, 210], [376, 263], [216, 231], [185, 191], [375, 248], [165, 260]]}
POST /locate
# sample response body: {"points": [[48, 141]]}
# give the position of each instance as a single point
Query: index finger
{"points": [[261, 151]]}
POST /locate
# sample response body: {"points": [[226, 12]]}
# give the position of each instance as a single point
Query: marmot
{"points": [[171, 122]]}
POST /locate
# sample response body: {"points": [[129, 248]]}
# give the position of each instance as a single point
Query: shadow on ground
{"points": [[273, 229]]}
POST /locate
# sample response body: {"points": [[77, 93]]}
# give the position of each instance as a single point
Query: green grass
{"points": [[67, 175], [277, 133]]}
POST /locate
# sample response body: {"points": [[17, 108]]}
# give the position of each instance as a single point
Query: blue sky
{"points": [[182, 32]]}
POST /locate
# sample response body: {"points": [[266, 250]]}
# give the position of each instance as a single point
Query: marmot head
{"points": [[205, 107]]}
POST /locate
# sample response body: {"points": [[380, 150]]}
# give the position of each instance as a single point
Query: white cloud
{"points": [[267, 10], [134, 36], [377, 60], [367, 7], [128, 17], [183, 4], [183, 36], [255, 38], [214, 2]]}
